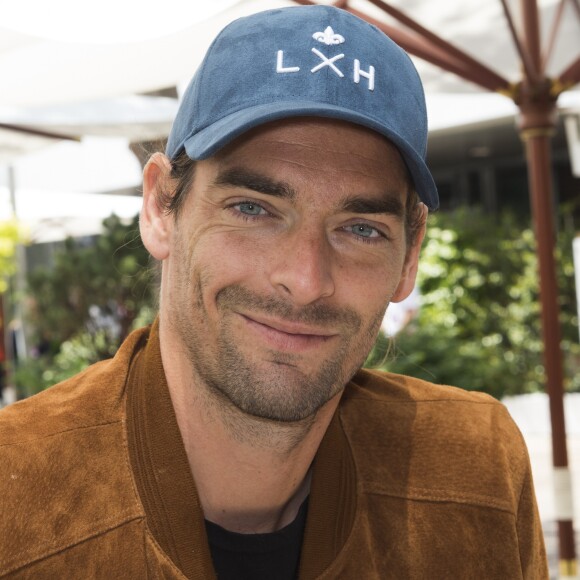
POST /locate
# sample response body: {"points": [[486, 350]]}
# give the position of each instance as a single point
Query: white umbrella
{"points": [[38, 71]]}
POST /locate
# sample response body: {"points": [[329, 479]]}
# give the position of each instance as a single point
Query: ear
{"points": [[409, 273], [154, 223]]}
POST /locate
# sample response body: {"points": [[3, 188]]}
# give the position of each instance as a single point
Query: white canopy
{"points": [[38, 71]]}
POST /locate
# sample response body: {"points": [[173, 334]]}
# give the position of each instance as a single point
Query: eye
{"points": [[250, 208], [364, 231]]}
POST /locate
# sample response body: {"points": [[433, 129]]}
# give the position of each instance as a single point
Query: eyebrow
{"points": [[238, 177], [387, 204]]}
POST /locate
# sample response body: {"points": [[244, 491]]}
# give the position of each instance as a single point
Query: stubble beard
{"points": [[274, 390]]}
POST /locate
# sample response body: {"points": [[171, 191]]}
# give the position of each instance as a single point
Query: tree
{"points": [[478, 326], [10, 235], [85, 304]]}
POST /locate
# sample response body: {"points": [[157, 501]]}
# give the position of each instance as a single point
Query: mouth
{"points": [[287, 336]]}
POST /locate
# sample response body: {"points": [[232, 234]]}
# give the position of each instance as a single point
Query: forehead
{"points": [[319, 146]]}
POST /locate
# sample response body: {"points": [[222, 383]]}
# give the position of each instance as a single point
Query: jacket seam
{"points": [[56, 433], [418, 402], [415, 494], [125, 426], [525, 484], [136, 497], [47, 553], [155, 546], [328, 570]]}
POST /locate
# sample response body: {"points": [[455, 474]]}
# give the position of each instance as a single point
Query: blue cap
{"points": [[305, 61]]}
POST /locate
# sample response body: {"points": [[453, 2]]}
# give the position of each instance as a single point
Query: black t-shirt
{"points": [[257, 556]]}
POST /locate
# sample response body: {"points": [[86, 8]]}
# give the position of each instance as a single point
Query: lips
{"points": [[289, 327], [285, 335]]}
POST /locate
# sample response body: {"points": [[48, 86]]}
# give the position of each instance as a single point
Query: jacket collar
{"points": [[167, 489]]}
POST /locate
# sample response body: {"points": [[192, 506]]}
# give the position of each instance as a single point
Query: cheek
{"points": [[223, 259], [369, 284], [247, 254]]}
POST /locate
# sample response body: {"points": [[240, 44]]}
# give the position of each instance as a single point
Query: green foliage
{"points": [[83, 306], [479, 324], [10, 235]]}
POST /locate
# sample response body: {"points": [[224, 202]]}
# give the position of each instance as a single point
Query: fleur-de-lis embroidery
{"points": [[328, 37]]}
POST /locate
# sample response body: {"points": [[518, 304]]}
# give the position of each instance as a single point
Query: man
{"points": [[237, 437]]}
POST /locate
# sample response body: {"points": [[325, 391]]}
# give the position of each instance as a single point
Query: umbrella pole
{"points": [[536, 129]]}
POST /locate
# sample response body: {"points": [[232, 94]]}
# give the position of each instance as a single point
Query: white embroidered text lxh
{"points": [[330, 38]]}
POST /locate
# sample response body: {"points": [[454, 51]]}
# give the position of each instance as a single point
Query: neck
{"points": [[251, 474]]}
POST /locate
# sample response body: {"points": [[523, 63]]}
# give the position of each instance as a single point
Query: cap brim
{"points": [[208, 141]]}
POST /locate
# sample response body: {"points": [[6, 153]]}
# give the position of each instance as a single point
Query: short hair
{"points": [[183, 172]]}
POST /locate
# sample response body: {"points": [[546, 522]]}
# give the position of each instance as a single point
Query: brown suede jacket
{"points": [[411, 480]]}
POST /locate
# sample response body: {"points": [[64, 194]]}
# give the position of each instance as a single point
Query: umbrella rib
{"points": [[452, 60], [553, 33], [528, 65], [571, 75], [425, 50], [38, 132], [490, 77]]}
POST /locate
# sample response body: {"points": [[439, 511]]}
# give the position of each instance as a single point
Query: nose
{"points": [[302, 268]]}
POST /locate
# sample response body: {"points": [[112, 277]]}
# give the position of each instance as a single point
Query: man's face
{"points": [[282, 261]]}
